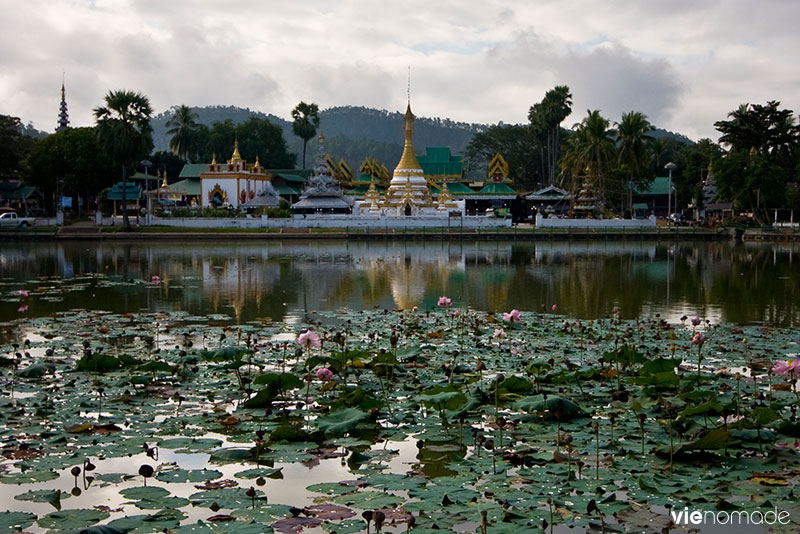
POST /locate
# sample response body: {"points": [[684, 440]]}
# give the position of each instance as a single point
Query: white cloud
{"points": [[684, 63]]}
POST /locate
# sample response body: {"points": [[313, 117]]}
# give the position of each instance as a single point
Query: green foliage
{"points": [[182, 127], [97, 362], [124, 132], [75, 156], [546, 117], [14, 148], [341, 421]]}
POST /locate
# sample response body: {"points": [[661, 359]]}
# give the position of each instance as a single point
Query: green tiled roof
{"points": [[659, 186], [439, 160], [193, 170], [497, 189], [640, 206], [285, 190], [187, 187], [291, 177], [457, 188], [18, 193]]}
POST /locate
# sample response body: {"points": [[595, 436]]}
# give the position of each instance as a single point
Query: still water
{"points": [[721, 281]]}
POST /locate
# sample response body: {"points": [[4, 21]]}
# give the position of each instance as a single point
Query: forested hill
{"points": [[351, 133]]}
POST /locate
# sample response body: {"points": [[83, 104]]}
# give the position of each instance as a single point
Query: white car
{"points": [[10, 219]]}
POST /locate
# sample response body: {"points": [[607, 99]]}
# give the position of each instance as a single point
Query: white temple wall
{"points": [[337, 221]]}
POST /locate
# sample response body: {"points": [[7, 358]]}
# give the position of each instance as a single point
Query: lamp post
{"points": [[146, 163], [669, 166]]}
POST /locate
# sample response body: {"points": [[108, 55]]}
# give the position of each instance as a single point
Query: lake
{"points": [[746, 284]]}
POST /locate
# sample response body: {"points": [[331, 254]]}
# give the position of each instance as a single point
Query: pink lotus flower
{"points": [[513, 316], [309, 339], [324, 374], [155, 279], [696, 321], [456, 313], [554, 307], [22, 293], [22, 309], [444, 301], [499, 333], [788, 367], [698, 339]]}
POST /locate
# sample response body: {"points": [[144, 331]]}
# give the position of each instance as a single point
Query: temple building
{"points": [[439, 165], [409, 192], [63, 115], [233, 183], [322, 194]]}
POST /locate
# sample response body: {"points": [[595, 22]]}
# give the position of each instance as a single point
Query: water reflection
{"points": [[720, 280]]}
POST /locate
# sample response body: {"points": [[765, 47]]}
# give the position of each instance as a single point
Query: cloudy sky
{"points": [[684, 63]]}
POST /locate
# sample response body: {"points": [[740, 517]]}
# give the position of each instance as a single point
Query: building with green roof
{"points": [[439, 164], [655, 196]]}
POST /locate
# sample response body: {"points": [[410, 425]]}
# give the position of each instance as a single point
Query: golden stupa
{"points": [[408, 191]]}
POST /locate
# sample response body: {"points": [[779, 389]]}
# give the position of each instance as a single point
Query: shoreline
{"points": [[95, 233], [68, 233]]}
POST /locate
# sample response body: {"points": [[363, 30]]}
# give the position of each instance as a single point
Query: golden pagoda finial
{"points": [[409, 160], [213, 158], [258, 163], [236, 157], [164, 184]]}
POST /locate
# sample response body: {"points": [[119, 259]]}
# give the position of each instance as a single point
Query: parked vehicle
{"points": [[10, 219]]}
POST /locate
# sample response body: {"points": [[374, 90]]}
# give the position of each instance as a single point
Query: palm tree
{"points": [[547, 116], [182, 127], [591, 151], [124, 132], [633, 145], [306, 122]]}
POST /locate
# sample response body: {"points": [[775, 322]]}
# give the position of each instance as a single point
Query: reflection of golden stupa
{"points": [[408, 283], [408, 189]]}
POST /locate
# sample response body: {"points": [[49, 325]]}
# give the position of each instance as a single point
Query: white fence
{"points": [[541, 222], [334, 221]]}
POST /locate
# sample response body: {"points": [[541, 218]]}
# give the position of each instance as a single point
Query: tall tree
{"points": [[124, 132], [182, 126], [547, 116], [73, 155], [259, 137], [306, 122], [763, 143], [633, 146], [14, 147], [590, 152]]}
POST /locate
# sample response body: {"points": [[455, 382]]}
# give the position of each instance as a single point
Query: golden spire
{"points": [[213, 158], [164, 184], [236, 157], [258, 163], [408, 160]]}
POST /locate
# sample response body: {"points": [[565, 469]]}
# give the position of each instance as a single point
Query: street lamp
{"points": [[669, 166], [146, 163]]}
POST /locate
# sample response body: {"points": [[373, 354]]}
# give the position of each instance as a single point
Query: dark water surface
{"points": [[721, 281]]}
